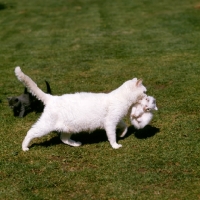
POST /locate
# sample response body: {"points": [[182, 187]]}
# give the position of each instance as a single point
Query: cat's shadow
{"points": [[99, 136], [4, 6], [147, 132]]}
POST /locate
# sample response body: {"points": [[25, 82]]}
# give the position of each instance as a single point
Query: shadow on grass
{"points": [[147, 132], [4, 6], [99, 136], [53, 141], [83, 137]]}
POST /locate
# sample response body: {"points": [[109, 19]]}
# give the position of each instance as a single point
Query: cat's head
{"points": [[140, 85], [149, 103], [136, 84]]}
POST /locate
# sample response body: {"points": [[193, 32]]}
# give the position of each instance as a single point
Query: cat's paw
{"points": [[25, 148], [116, 146], [71, 142], [76, 144]]}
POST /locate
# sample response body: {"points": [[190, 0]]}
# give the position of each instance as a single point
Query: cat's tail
{"points": [[31, 85]]}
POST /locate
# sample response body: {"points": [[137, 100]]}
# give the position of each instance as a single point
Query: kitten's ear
{"points": [[48, 87], [139, 82], [9, 98]]}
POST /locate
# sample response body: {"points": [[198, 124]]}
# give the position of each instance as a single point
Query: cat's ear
{"points": [[139, 82], [9, 98], [134, 79]]}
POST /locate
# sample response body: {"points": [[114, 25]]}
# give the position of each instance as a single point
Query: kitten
{"points": [[141, 113], [20, 105], [26, 102], [74, 113]]}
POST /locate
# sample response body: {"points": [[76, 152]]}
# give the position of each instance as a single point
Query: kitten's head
{"points": [[149, 103], [13, 102]]}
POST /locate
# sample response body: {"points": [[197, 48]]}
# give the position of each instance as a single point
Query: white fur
{"points": [[73, 113], [142, 112]]}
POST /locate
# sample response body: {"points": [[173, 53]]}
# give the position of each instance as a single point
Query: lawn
{"points": [[95, 46]]}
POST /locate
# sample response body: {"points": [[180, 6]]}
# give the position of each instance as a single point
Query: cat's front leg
{"points": [[133, 112], [136, 124], [139, 119], [138, 112], [65, 138], [22, 111], [111, 134]]}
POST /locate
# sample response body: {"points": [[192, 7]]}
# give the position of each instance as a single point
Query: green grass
{"points": [[96, 45]]}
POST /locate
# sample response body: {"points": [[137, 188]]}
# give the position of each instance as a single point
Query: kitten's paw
{"points": [[116, 146], [25, 148]]}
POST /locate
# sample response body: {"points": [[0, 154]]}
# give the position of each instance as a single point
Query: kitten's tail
{"points": [[48, 87], [31, 85]]}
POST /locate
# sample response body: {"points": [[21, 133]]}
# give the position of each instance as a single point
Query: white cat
{"points": [[74, 113], [142, 112]]}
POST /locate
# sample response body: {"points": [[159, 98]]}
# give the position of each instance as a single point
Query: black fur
{"points": [[26, 103]]}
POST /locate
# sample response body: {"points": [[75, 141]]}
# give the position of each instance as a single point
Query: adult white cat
{"points": [[74, 113]]}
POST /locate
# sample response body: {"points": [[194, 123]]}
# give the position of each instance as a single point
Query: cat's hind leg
{"points": [[122, 126], [65, 138], [33, 133], [39, 129], [26, 141]]}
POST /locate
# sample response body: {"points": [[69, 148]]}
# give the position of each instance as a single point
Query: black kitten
{"points": [[26, 103]]}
